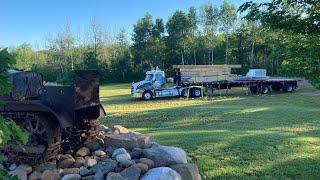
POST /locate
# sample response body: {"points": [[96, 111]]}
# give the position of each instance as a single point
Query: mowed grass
{"points": [[276, 136]]}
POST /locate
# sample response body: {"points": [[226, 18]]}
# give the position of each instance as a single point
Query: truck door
{"points": [[158, 81]]}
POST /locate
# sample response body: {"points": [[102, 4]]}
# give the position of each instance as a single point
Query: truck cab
{"points": [[153, 86]]}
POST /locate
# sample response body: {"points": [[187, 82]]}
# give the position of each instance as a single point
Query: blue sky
{"points": [[32, 21]]}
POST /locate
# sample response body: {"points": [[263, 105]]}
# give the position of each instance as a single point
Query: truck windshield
{"points": [[149, 77]]}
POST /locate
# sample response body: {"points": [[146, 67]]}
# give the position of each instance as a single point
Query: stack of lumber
{"points": [[206, 73]]}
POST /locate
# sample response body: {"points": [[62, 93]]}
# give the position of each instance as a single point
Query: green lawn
{"points": [[276, 136]]}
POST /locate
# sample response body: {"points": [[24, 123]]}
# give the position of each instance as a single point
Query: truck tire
{"points": [[288, 88], [196, 92], [184, 93], [258, 89], [147, 95]]}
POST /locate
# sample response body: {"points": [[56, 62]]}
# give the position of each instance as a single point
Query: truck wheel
{"points": [[184, 93], [196, 92], [288, 88], [147, 95]]}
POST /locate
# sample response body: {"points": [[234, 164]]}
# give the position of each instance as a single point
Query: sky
{"points": [[32, 21]]}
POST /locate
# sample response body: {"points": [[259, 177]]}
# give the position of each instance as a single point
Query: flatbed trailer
{"points": [[154, 85], [262, 86]]}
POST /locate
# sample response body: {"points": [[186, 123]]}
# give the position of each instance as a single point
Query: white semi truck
{"points": [[153, 86]]}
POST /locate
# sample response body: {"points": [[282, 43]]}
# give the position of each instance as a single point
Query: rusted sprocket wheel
{"points": [[44, 139]]}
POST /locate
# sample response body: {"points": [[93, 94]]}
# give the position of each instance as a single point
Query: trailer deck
{"points": [[255, 85]]}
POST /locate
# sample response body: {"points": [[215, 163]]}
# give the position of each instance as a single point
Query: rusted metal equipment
{"points": [[54, 116]]}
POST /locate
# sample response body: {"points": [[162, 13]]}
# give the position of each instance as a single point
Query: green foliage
{"points": [[298, 22], [301, 16], [11, 131], [8, 129], [5, 62], [204, 35]]}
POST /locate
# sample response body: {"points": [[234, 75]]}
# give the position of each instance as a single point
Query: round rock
{"points": [[123, 157], [161, 173], [147, 161], [118, 152], [84, 151], [90, 162]]}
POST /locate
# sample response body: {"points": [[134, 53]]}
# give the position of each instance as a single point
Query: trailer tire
{"points": [[147, 95], [196, 92], [264, 89], [288, 88]]}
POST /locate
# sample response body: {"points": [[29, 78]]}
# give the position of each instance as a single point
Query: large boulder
{"points": [[165, 155], [187, 171], [127, 141], [161, 173]]}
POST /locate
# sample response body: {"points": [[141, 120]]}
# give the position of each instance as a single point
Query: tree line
{"points": [[201, 35]]}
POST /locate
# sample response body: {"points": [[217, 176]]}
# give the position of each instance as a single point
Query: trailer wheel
{"points": [[147, 95], [196, 92], [288, 88], [264, 89]]}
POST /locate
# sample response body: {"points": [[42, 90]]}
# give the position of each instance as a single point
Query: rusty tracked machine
{"points": [[53, 116]]}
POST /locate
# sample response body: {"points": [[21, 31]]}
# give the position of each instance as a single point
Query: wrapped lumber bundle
{"points": [[206, 73]]}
